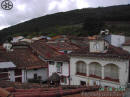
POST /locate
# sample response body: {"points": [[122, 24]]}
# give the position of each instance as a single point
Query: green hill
{"points": [[117, 19]]}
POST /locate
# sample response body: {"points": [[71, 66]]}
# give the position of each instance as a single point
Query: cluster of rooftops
{"points": [[33, 55], [36, 54]]}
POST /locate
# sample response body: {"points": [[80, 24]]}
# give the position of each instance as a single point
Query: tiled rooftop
{"points": [[64, 91], [48, 51], [22, 58], [49, 92], [112, 52], [63, 46]]}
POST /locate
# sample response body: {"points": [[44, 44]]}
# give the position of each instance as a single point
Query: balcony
{"points": [[82, 74], [95, 76]]}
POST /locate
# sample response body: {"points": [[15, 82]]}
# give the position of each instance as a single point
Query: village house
{"points": [[19, 64], [56, 54], [17, 39], [115, 40], [100, 64]]}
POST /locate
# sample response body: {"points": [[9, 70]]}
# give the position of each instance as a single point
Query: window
{"points": [[59, 67], [96, 46], [81, 68], [65, 52], [39, 77], [106, 47], [111, 72], [35, 76], [63, 79], [83, 83], [35, 69], [95, 69], [51, 62]]}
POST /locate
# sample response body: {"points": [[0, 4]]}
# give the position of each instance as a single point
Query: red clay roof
{"points": [[86, 91], [63, 46], [98, 94], [43, 49], [63, 57], [49, 92], [22, 58], [36, 90], [47, 52], [112, 52]]}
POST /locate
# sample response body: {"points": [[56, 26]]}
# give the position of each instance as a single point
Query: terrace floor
{"points": [[37, 90]]}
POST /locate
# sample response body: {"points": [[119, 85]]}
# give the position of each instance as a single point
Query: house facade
{"points": [[56, 54], [5, 70], [61, 68], [21, 65], [115, 40], [100, 64]]}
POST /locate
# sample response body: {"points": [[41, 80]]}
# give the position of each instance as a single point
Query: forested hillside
{"points": [[117, 19]]}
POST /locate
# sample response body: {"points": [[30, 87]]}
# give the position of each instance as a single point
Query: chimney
{"points": [[8, 46]]}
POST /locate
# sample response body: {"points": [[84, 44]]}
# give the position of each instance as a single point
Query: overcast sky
{"points": [[28, 9]]}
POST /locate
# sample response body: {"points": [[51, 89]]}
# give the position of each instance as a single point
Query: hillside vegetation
{"points": [[117, 19]]}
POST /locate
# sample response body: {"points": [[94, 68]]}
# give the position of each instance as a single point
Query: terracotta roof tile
{"points": [[49, 92], [48, 52], [63, 57], [22, 57], [42, 49], [63, 46], [112, 52]]}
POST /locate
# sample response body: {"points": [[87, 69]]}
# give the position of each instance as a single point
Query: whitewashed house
{"points": [[61, 68], [22, 65], [5, 70], [56, 54], [115, 40], [100, 64], [57, 63]]}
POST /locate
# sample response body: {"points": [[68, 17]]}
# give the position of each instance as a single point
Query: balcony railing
{"points": [[82, 74], [98, 77], [95, 76]]}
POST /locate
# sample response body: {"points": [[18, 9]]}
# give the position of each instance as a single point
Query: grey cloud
{"points": [[37, 8]]}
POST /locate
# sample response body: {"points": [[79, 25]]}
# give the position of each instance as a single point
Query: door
{"points": [[129, 73], [18, 75], [83, 83], [18, 79]]}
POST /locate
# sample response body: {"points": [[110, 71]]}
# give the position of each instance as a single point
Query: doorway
{"points": [[82, 83], [18, 72]]}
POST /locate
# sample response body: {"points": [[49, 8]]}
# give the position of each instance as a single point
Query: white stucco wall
{"points": [[100, 46], [29, 74], [97, 46], [12, 75], [122, 64], [65, 70], [117, 40]]}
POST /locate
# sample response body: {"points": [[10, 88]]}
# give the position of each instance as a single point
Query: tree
{"points": [[93, 26]]}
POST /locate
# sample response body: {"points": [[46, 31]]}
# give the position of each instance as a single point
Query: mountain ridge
{"points": [[53, 22]]}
